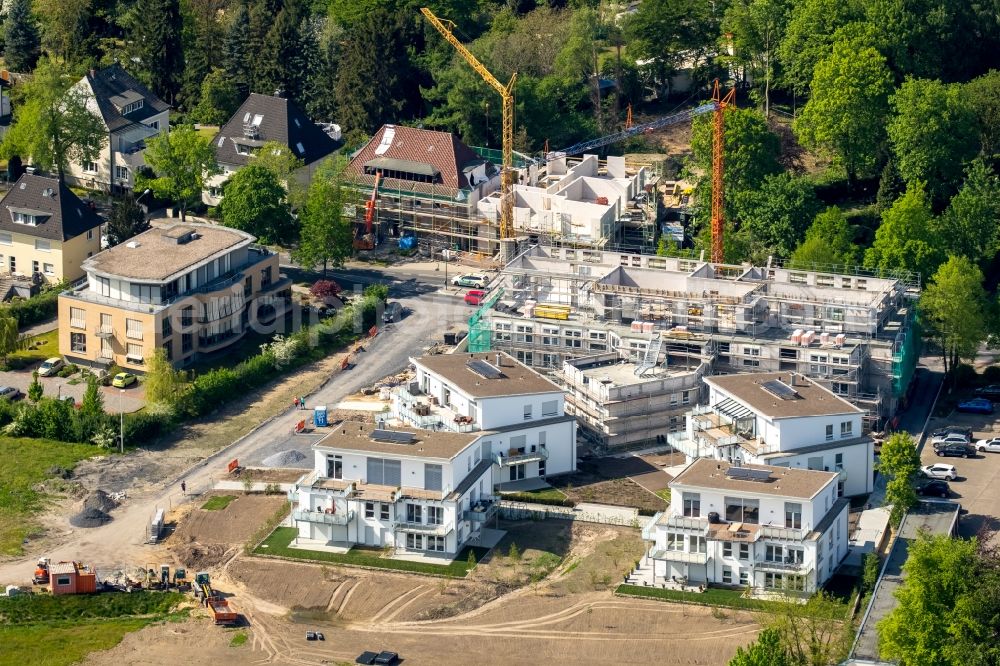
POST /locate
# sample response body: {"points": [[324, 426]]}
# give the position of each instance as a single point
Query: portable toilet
{"points": [[319, 416]]}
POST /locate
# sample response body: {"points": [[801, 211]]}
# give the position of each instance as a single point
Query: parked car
{"points": [[310, 635], [476, 280], [939, 471], [393, 312], [951, 438], [386, 658], [960, 430], [976, 406], [50, 367], [991, 445], [957, 449], [10, 393], [991, 391], [475, 296], [934, 487], [123, 379]]}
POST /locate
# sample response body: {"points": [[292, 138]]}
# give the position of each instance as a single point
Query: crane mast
{"points": [[718, 170], [506, 93]]}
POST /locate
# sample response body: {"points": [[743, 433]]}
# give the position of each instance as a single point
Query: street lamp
{"points": [[121, 415]]}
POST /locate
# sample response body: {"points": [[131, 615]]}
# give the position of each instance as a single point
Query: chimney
{"points": [[498, 360], [93, 73]]}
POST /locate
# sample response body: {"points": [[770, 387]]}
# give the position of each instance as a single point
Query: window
{"points": [[121, 173], [793, 515], [727, 575], [550, 408], [517, 472], [383, 511], [773, 553], [727, 549], [786, 353], [77, 318], [133, 329], [435, 515], [369, 509], [414, 513], [692, 505], [43, 245], [34, 267], [527, 412], [840, 388], [62, 580], [846, 429], [741, 510], [541, 467], [383, 472], [134, 353], [187, 316], [334, 467], [523, 333], [187, 342], [265, 277], [675, 541], [13, 264], [435, 543], [6, 239], [90, 167], [299, 147], [797, 278], [744, 577], [751, 351], [744, 551], [78, 342], [751, 363], [829, 432], [134, 106], [432, 477], [838, 461], [697, 544], [49, 269], [166, 327], [155, 124], [25, 218], [415, 541]]}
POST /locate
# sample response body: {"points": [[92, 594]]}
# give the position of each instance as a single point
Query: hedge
{"points": [[534, 499], [39, 308]]}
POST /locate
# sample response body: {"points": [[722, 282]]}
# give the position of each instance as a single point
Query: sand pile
{"points": [[91, 517], [284, 458]]}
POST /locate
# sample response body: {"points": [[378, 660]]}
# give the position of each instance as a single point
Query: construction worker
{"points": [[296, 402], [184, 487]]}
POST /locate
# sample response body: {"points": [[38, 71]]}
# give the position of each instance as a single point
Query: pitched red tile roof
{"points": [[442, 151]]}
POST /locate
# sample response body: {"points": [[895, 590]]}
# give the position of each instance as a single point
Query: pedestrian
{"points": [[302, 403], [296, 401], [184, 487]]}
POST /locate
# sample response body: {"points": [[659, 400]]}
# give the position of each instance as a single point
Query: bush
{"points": [[991, 374], [68, 370], [965, 376], [112, 371], [144, 426], [534, 499], [38, 308]]}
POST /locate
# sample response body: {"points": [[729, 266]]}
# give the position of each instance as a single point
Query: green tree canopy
{"points": [[757, 28], [899, 462], [933, 131], [906, 239], [254, 201], [181, 160], [326, 236], [162, 382], [10, 339], [809, 37], [985, 90], [64, 27], [289, 54], [845, 115], [155, 37], [767, 650], [278, 158], [219, 98], [954, 305], [829, 242], [52, 123], [773, 218], [126, 220], [21, 41], [970, 226]]}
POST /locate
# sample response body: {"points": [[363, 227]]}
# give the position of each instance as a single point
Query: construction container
{"points": [[824, 338], [156, 526], [71, 578], [319, 416], [636, 327], [552, 311], [797, 336], [840, 339], [647, 326]]}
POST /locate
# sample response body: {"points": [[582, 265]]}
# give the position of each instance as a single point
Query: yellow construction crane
{"points": [[507, 94]]}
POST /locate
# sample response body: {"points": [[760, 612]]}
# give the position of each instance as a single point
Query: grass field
{"points": [[218, 503], [540, 495], [713, 596], [45, 346], [54, 631], [278, 544], [24, 463]]}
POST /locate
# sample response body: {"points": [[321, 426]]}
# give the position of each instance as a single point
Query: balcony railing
{"points": [[104, 332], [425, 528], [687, 523], [540, 453], [649, 529], [407, 405], [480, 512], [679, 556], [323, 518], [783, 533], [783, 565]]}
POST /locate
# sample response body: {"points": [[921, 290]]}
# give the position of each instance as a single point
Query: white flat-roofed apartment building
{"points": [[853, 333], [769, 528], [529, 433], [406, 489]]}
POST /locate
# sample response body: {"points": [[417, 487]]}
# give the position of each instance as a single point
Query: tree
{"points": [[751, 149], [35, 388], [254, 201], [767, 650], [899, 462], [906, 239], [757, 27], [939, 575], [64, 27], [52, 123], [125, 221], [155, 36], [236, 54], [324, 289], [162, 382], [289, 54], [970, 226], [22, 44], [10, 339], [326, 236], [280, 160], [181, 160], [809, 37], [933, 132], [845, 116], [814, 633], [203, 32], [773, 218], [829, 242], [219, 99], [986, 91], [890, 187], [92, 415], [954, 304]]}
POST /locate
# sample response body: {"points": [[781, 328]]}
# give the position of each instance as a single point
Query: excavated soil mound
{"points": [[99, 500], [91, 517], [198, 557], [284, 458]]}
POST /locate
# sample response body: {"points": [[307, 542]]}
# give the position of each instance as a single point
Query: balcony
{"points": [[425, 528], [423, 411], [480, 512], [104, 331], [105, 356], [787, 565], [782, 533], [679, 556], [649, 529], [686, 524], [323, 518], [524, 455]]}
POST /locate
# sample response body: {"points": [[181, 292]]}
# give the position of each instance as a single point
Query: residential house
{"points": [[46, 230], [191, 289], [521, 412], [132, 115], [770, 528], [259, 120], [415, 491], [782, 419]]}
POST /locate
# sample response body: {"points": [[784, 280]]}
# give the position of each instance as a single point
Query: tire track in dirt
{"points": [[335, 594], [393, 605], [398, 611], [347, 597]]}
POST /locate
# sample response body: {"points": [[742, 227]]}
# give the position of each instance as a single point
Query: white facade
{"points": [[716, 533], [406, 501], [529, 433]]}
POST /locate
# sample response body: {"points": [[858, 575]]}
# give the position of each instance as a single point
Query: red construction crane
{"points": [[718, 169], [370, 204]]}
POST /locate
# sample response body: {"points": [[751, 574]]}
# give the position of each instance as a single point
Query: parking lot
{"points": [[977, 487]]}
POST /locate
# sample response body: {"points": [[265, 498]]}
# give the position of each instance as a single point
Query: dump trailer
{"points": [[41, 572], [221, 612]]}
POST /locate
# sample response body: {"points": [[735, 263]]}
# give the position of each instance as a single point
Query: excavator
{"points": [[366, 240]]}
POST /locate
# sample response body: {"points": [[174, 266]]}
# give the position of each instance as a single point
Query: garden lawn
{"points": [[278, 544], [540, 495], [218, 503], [712, 596], [46, 346], [24, 463]]}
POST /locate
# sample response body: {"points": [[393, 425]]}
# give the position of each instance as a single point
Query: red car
{"points": [[475, 296]]}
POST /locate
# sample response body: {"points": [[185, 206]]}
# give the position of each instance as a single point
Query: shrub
{"points": [[144, 426], [992, 374], [325, 289], [964, 376], [38, 308], [534, 499]]}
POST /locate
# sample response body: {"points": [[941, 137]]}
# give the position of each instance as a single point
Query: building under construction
{"points": [[431, 186], [630, 333]]}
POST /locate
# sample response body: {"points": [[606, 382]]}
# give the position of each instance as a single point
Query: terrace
{"points": [[423, 411]]}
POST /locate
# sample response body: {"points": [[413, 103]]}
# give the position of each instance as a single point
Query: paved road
{"points": [[121, 541]]}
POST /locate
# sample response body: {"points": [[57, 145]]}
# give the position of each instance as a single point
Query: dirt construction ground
{"points": [[549, 599]]}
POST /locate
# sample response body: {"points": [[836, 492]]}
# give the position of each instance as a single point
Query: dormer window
{"points": [[133, 106], [243, 149], [25, 218]]}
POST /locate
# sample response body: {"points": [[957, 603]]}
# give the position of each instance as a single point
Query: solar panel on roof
{"points": [[392, 436], [483, 369], [748, 474], [780, 389]]}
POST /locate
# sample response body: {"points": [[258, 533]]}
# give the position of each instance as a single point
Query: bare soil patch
{"points": [[230, 526], [631, 481]]}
